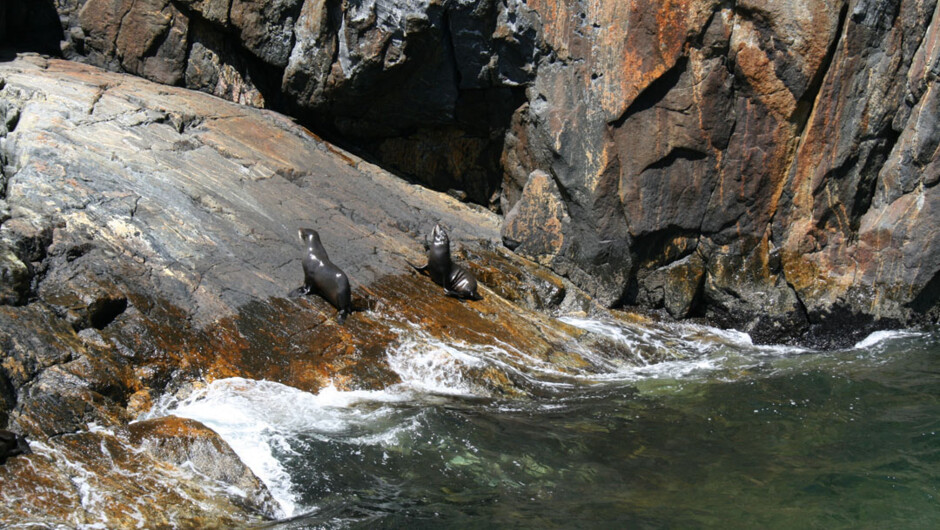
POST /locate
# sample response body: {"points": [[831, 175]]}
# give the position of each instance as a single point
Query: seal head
{"points": [[322, 276], [456, 280]]}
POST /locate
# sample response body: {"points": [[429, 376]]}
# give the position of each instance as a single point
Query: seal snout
{"points": [[439, 235], [456, 280], [308, 236]]}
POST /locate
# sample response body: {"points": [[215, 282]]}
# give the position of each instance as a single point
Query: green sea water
{"points": [[736, 436]]}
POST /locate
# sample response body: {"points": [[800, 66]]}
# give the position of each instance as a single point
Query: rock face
{"points": [[126, 478], [783, 157], [148, 240], [772, 143], [758, 150], [428, 87]]}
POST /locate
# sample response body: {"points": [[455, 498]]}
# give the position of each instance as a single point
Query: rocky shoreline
{"points": [[771, 169], [672, 159], [149, 242]]}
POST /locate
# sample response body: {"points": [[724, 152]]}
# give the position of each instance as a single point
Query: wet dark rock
{"points": [[185, 442]]}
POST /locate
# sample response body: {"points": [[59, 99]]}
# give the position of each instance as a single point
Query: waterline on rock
{"points": [[340, 455]]}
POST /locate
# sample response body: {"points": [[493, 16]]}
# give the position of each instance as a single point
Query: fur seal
{"points": [[322, 276], [456, 280], [12, 444]]}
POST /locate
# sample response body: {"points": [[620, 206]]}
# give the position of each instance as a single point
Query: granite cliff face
{"points": [[741, 161], [770, 167]]}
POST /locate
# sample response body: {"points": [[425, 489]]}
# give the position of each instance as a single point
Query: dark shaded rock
{"points": [[215, 66], [30, 25], [147, 37], [735, 286], [536, 225], [677, 287], [12, 444]]}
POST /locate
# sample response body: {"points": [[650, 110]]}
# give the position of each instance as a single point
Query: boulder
{"points": [[189, 443]]}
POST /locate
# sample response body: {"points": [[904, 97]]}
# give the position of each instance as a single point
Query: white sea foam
{"points": [[678, 350], [879, 337], [236, 410], [429, 365], [261, 420]]}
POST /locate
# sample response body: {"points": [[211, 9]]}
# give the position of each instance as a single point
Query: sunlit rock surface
{"points": [[127, 479], [151, 236], [784, 154]]}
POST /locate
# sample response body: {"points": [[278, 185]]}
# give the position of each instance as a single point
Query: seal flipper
{"points": [[341, 316], [463, 296], [298, 292], [423, 268]]}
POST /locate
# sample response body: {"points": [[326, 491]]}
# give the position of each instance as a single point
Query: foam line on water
{"points": [[430, 365], [880, 337], [677, 350], [259, 419]]}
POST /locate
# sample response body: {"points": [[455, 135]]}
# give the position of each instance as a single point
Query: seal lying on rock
{"points": [[456, 280], [322, 276], [12, 444]]}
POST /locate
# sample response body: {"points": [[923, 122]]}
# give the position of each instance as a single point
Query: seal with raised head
{"points": [[12, 444], [456, 280], [322, 276]]}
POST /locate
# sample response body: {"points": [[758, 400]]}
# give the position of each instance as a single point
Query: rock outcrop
{"points": [[747, 156], [776, 164], [148, 474], [783, 157], [149, 236]]}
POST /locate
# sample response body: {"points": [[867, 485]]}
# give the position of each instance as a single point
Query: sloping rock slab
{"points": [[152, 235]]}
